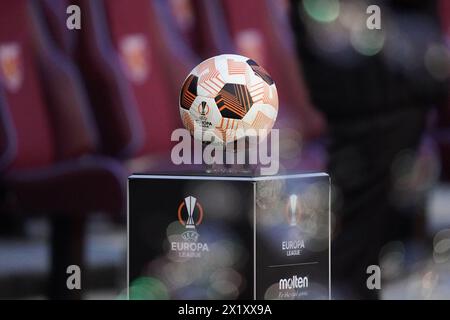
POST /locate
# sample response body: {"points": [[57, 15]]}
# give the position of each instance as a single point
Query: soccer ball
{"points": [[225, 96]]}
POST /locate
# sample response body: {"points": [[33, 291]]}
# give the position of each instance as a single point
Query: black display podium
{"points": [[229, 237]]}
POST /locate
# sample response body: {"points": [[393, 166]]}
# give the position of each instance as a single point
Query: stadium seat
{"points": [[120, 128], [202, 24], [173, 51], [54, 13], [7, 151], [46, 141]]}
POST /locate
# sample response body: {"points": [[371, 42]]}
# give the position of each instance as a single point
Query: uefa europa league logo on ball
{"points": [[189, 207]]}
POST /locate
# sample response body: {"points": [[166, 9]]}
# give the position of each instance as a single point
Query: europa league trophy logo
{"points": [[191, 204], [293, 210], [203, 109]]}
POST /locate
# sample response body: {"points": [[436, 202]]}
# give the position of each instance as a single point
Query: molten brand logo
{"points": [[295, 282]]}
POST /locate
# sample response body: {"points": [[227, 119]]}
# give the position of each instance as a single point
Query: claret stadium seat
{"points": [[201, 23], [7, 151], [173, 51], [55, 15], [47, 139]]}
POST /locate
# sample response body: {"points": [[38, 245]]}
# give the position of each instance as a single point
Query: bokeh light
{"points": [[392, 259], [437, 61], [322, 10], [441, 246], [367, 42], [148, 288]]}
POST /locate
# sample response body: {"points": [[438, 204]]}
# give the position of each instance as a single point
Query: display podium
{"points": [[229, 237]]}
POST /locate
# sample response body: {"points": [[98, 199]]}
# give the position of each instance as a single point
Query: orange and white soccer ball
{"points": [[225, 96]]}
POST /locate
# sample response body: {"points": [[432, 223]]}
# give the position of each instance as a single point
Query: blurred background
{"points": [[80, 110]]}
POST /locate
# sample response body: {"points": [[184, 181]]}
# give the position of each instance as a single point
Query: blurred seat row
{"points": [[81, 109]]}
